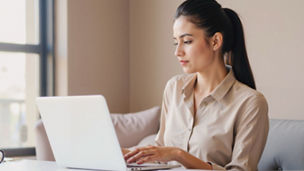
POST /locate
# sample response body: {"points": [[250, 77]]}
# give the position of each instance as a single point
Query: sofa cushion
{"points": [[284, 149], [133, 127]]}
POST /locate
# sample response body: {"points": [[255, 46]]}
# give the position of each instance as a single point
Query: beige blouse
{"points": [[230, 127]]}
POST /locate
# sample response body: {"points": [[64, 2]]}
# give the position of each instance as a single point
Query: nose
{"points": [[179, 51]]}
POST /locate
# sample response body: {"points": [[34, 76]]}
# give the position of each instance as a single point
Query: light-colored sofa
{"points": [[284, 149]]}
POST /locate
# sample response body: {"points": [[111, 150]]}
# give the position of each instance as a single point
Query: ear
{"points": [[217, 41]]}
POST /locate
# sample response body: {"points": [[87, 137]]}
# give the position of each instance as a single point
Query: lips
{"points": [[183, 62]]}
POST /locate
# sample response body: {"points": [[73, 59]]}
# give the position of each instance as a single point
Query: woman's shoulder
{"points": [[251, 104], [246, 93]]}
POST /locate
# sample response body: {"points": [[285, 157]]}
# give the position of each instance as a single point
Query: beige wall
{"points": [[152, 61], [92, 51], [274, 31], [137, 51]]}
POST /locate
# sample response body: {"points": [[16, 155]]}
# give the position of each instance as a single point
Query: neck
{"points": [[210, 78]]}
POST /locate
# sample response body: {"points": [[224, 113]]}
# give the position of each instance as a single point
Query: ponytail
{"points": [[238, 56]]}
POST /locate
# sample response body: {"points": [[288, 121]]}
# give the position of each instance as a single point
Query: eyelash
{"points": [[185, 42], [188, 42]]}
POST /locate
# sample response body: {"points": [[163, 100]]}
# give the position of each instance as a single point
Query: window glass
{"points": [[19, 21], [19, 86]]}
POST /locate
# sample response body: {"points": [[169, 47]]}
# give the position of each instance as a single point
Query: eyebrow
{"points": [[183, 35]]}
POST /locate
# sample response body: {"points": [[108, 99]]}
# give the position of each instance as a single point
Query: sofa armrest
{"points": [[284, 149]]}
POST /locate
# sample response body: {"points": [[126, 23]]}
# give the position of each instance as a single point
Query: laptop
{"points": [[82, 135]]}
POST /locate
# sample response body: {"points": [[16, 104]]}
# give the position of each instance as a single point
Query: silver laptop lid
{"points": [[81, 132]]}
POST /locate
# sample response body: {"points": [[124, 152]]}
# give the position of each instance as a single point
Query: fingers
{"points": [[137, 150], [139, 153], [151, 154], [138, 156], [125, 151], [131, 153], [146, 159]]}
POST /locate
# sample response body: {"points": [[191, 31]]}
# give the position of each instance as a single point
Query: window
{"points": [[26, 58]]}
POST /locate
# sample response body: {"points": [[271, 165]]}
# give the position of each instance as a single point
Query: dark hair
{"points": [[210, 16]]}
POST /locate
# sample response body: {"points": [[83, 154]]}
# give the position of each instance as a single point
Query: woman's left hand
{"points": [[151, 154]]}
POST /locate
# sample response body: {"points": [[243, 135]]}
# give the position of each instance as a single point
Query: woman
{"points": [[212, 117]]}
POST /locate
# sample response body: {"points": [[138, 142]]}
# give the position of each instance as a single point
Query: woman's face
{"points": [[192, 46]]}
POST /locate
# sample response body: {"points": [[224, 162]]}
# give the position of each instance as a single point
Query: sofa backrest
{"points": [[284, 149]]}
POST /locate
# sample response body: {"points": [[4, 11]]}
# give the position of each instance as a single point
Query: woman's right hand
{"points": [[125, 151]]}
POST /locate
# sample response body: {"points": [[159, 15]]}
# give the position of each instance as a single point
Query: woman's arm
{"points": [[165, 154], [191, 162], [251, 134]]}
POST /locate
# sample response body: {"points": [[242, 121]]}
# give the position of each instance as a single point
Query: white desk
{"points": [[34, 165], [31, 165]]}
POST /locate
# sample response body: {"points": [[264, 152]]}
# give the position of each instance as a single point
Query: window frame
{"points": [[45, 50]]}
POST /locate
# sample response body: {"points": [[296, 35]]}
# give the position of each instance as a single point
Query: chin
{"points": [[188, 71]]}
